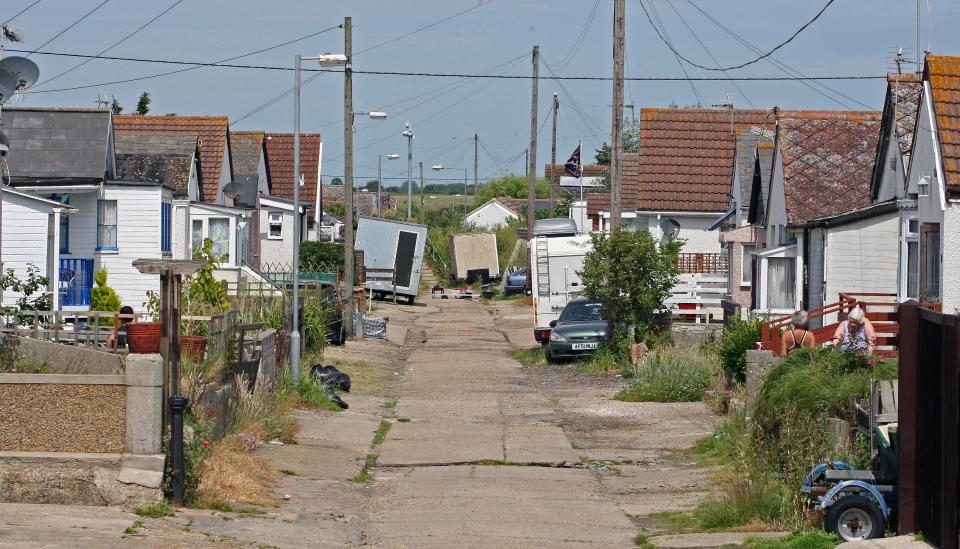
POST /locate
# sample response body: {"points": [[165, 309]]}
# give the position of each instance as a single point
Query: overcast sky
{"points": [[853, 37]]}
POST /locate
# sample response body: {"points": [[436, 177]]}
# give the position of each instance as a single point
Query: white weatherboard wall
{"points": [[694, 229], [863, 256], [951, 257], [280, 250], [138, 237], [25, 226]]}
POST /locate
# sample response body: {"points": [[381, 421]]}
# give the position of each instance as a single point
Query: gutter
{"points": [[851, 216]]}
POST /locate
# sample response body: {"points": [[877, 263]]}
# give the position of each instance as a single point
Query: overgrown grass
{"points": [[157, 510], [530, 357], [381, 433], [671, 374], [304, 393], [132, 529], [805, 539]]}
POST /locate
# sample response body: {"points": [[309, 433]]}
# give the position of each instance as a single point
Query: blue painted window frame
{"points": [[166, 221], [100, 224]]}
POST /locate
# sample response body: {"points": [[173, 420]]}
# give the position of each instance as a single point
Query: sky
{"points": [[851, 38]]}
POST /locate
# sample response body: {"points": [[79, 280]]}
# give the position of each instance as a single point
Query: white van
{"points": [[556, 258]]}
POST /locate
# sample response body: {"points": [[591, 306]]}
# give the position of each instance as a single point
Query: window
{"points": [[64, 223], [106, 225], [781, 282], [218, 230], [931, 283], [913, 269], [275, 229], [196, 235], [746, 264], [166, 213]]}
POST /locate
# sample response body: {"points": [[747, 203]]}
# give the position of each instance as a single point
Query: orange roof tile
{"points": [[212, 131], [279, 154], [944, 75]]}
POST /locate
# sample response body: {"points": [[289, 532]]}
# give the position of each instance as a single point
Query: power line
{"points": [[575, 48], [21, 12], [431, 25], [194, 66], [115, 44], [741, 65], [70, 26], [696, 93], [453, 74]]}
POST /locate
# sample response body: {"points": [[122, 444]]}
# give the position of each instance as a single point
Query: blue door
{"points": [[76, 279]]}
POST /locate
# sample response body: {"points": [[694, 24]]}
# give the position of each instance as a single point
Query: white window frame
{"points": [[746, 267], [274, 219], [790, 251], [909, 237]]}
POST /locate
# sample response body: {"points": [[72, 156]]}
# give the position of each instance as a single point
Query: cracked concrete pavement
{"points": [[482, 452]]}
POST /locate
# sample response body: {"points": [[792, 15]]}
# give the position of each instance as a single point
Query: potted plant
{"points": [[204, 295], [144, 337]]}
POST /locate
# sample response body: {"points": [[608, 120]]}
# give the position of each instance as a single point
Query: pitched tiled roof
{"points": [[212, 131], [50, 144], [944, 76], [828, 159], [364, 203], [905, 90], [685, 161], [515, 204], [279, 154], [158, 157], [589, 170]]}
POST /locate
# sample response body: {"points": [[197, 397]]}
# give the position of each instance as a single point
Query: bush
{"points": [[671, 374], [315, 255], [738, 337], [103, 297]]}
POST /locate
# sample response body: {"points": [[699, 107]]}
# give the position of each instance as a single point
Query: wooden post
{"points": [[616, 139], [949, 423], [532, 159], [553, 152], [907, 417]]}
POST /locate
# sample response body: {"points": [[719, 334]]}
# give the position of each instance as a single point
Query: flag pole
{"points": [[580, 148]]}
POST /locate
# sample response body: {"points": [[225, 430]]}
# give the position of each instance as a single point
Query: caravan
{"points": [[556, 259]]}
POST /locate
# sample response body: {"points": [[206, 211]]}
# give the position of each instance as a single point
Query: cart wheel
{"points": [[854, 518]]}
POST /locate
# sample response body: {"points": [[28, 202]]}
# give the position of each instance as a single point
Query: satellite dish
{"points": [[16, 75]]}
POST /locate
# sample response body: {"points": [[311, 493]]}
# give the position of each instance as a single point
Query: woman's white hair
{"points": [[856, 315], [799, 319]]}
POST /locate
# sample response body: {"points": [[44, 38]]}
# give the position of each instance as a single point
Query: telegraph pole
{"points": [[553, 149], [295, 270], [348, 176], [421, 185], [526, 162], [616, 140], [476, 143], [532, 160]]}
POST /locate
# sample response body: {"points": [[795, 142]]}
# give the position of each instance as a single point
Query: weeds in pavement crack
{"points": [[132, 529]]}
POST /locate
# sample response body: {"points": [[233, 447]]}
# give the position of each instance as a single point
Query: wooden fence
{"points": [[81, 328], [697, 297], [703, 263], [929, 424]]}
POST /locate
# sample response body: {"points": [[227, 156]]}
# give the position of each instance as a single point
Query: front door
{"points": [[930, 263], [403, 265]]}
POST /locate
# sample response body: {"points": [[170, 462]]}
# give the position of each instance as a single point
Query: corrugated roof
{"points": [[156, 157], [828, 160], [944, 75], [279, 155], [212, 131], [57, 143]]}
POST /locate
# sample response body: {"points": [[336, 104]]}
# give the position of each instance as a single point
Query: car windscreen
{"points": [[582, 311]]}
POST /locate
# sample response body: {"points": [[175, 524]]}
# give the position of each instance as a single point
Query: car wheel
{"points": [[549, 356], [854, 518]]}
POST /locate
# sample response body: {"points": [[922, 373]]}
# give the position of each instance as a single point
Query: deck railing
{"points": [[700, 263]]}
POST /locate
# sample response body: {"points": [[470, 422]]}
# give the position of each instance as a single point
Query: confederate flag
{"points": [[573, 166]]}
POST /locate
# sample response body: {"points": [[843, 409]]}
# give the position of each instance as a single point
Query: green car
{"points": [[579, 332]]}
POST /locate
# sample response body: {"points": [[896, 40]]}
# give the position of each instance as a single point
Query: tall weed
{"points": [[671, 374]]}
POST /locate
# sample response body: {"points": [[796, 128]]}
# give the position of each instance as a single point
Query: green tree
{"points": [[511, 185], [631, 142], [632, 276], [115, 106], [103, 297], [372, 185], [336, 181], [143, 104], [337, 210]]}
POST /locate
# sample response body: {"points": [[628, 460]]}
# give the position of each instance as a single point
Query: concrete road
{"points": [[481, 452]]}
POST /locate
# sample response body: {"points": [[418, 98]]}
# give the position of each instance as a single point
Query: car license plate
{"points": [[585, 346]]}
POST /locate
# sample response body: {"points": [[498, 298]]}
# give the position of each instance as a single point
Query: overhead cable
{"points": [[21, 12], [68, 27]]}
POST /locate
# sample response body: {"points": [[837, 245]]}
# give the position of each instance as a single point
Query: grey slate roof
{"points": [[155, 157], [57, 144], [746, 160]]}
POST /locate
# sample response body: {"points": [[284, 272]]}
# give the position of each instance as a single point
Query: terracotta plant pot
{"points": [[193, 346], [144, 337]]}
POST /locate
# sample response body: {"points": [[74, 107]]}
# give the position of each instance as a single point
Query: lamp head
{"points": [[333, 60], [437, 167], [393, 156], [377, 115]]}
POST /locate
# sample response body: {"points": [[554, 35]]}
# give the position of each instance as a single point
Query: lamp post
{"points": [[440, 167], [408, 133], [380, 179]]}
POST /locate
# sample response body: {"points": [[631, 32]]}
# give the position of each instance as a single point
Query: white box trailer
{"points": [[474, 251], [556, 259], [394, 246]]}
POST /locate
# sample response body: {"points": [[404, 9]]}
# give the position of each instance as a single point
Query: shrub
{"points": [[315, 255], [738, 337], [103, 297], [671, 374]]}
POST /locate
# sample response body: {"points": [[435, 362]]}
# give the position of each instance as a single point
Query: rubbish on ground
{"points": [[374, 327], [276, 442], [330, 376]]}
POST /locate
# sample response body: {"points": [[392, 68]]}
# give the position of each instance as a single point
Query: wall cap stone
{"points": [[62, 379]]}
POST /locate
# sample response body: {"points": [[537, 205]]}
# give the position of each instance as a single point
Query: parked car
{"points": [[579, 331], [517, 280]]}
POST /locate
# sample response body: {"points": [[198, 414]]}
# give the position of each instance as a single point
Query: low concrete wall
{"points": [[86, 439], [759, 364], [70, 359]]}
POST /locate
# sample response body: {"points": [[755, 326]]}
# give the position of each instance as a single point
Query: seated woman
{"points": [[855, 334], [797, 337], [121, 340]]}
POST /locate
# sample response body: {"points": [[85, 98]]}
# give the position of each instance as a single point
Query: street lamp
{"points": [[380, 178], [440, 167], [408, 133]]}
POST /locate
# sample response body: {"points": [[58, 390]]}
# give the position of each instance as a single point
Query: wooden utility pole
{"points": [[526, 162], [616, 139], [553, 151], [347, 177], [421, 185], [476, 143], [532, 160]]}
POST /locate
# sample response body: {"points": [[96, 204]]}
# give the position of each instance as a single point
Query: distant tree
{"points": [[372, 185], [335, 209], [511, 185], [336, 181], [143, 104], [115, 106], [631, 142]]}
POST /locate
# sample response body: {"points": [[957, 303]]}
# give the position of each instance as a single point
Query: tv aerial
{"points": [[16, 75]]}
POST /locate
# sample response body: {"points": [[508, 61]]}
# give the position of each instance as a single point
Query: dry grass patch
{"points": [[230, 473]]}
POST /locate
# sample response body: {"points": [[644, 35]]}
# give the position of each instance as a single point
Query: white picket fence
{"points": [[698, 297]]}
